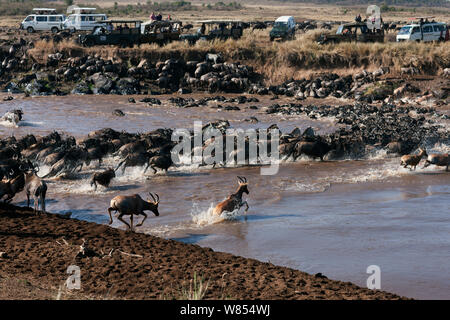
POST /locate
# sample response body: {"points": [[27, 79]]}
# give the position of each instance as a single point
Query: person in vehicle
{"points": [[203, 28], [159, 17], [358, 18], [109, 27], [153, 16]]}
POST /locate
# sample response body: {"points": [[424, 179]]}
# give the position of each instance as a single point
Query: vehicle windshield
{"points": [[405, 30], [280, 24], [339, 30], [29, 18]]}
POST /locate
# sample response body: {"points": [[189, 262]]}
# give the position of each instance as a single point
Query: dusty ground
{"points": [[40, 248]]}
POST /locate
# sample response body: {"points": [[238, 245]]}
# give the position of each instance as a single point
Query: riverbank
{"points": [[120, 265]]}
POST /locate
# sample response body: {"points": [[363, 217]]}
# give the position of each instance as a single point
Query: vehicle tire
{"points": [[73, 30], [55, 30], [30, 30], [88, 43], [123, 43]]}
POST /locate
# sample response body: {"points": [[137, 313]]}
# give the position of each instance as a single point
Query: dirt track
{"points": [[40, 248]]}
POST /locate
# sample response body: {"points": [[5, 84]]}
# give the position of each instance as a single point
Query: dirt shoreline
{"points": [[39, 249]]}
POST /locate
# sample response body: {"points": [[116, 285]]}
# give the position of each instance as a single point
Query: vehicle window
{"points": [[404, 30], [427, 29], [83, 18], [29, 18], [415, 29], [53, 19], [439, 28], [41, 19]]}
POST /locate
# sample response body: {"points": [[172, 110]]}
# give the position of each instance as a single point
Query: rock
{"points": [[34, 88], [12, 87], [127, 86], [184, 91], [131, 100], [151, 101], [102, 84], [446, 72], [82, 87]]}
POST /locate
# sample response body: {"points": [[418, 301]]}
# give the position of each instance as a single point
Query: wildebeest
{"points": [[103, 178], [442, 160], [161, 161], [315, 149]]}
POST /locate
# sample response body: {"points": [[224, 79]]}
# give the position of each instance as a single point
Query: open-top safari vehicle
{"points": [[161, 32], [353, 32], [215, 29], [124, 33]]}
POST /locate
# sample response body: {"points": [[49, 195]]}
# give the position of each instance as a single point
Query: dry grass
{"points": [[279, 61]]}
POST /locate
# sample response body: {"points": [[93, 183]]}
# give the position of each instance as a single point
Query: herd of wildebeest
{"points": [[368, 127]]}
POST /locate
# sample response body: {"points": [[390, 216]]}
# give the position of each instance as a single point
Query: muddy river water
{"points": [[333, 217]]}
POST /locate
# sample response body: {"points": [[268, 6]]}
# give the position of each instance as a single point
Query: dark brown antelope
{"points": [[133, 205], [412, 160], [441, 160], [234, 201]]}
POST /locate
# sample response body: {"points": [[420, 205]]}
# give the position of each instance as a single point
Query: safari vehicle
{"points": [[353, 32], [124, 33], [425, 31], [83, 19], [283, 28], [160, 32], [43, 19], [215, 29]]}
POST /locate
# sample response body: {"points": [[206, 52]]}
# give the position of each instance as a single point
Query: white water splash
{"points": [[202, 217]]}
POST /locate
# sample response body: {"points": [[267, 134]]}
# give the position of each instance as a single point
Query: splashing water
{"points": [[207, 217]]}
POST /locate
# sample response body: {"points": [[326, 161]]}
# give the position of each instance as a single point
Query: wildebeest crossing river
{"points": [[333, 217]]}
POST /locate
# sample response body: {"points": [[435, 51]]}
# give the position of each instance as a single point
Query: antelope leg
{"points": [[246, 204], [142, 222], [120, 218], [110, 216]]}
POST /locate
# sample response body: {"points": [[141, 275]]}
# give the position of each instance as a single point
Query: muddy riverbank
{"points": [[123, 265]]}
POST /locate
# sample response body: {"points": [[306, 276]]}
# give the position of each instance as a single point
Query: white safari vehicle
{"points": [[83, 19], [427, 31], [43, 19]]}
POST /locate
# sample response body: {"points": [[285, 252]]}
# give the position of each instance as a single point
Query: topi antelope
{"points": [[133, 205], [441, 160], [234, 201], [412, 160]]}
